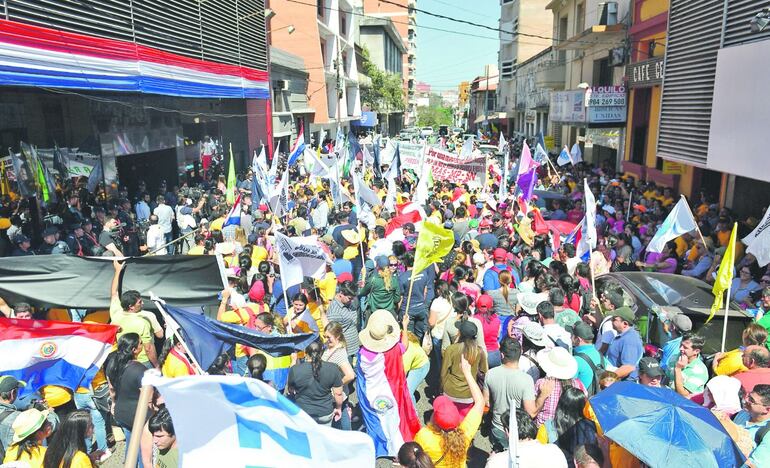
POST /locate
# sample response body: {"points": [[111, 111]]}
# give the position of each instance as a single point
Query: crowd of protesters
{"points": [[506, 327]]}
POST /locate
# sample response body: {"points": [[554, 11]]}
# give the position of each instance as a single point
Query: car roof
{"points": [[677, 290]]}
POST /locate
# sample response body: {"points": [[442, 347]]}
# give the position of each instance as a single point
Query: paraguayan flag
{"points": [[228, 421]]}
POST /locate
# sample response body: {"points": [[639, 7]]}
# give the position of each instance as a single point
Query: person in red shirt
{"points": [[757, 361]]}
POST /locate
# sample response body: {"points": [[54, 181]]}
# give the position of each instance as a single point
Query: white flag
{"points": [[588, 235], [279, 196], [577, 155], [758, 242], [299, 257], [390, 198], [230, 420], [677, 223], [502, 144], [363, 192], [467, 150]]}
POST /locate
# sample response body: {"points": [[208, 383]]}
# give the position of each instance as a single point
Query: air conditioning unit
{"points": [[282, 85], [608, 13]]}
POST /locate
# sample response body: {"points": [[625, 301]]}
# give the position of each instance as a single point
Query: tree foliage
{"points": [[386, 91], [434, 116]]}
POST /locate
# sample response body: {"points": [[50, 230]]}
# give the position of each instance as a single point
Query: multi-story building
{"points": [[130, 82], [535, 79], [589, 40], [404, 18], [323, 36], [463, 104], [289, 86], [421, 94], [517, 17], [714, 106], [482, 110], [386, 52]]}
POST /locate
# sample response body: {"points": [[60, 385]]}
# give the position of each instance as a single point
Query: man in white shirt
{"points": [[557, 335], [529, 452], [155, 237], [165, 216]]}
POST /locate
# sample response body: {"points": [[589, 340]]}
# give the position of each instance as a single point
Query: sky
{"points": [[444, 59]]}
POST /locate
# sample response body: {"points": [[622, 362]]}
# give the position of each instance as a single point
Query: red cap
{"points": [[257, 291], [342, 277], [485, 223], [445, 413], [499, 254], [485, 300]]}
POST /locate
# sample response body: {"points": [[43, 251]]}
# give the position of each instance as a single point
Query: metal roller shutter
{"points": [[739, 14], [694, 36]]}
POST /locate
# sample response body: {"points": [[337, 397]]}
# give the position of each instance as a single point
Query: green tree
{"points": [[434, 116], [386, 91]]}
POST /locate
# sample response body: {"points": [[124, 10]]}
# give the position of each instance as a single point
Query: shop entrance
{"points": [[153, 167]]}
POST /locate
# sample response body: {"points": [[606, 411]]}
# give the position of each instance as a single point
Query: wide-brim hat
{"points": [[351, 235], [535, 333], [557, 362], [381, 332], [26, 423], [530, 300]]}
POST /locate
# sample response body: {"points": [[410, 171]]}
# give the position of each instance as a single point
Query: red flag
{"points": [[398, 221], [538, 223]]}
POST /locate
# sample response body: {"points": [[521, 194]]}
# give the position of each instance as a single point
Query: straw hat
{"points": [[351, 235], [27, 423], [557, 362], [381, 332]]}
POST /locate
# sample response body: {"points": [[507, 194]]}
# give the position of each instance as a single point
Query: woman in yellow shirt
{"points": [[175, 362], [30, 429], [67, 448], [416, 361]]}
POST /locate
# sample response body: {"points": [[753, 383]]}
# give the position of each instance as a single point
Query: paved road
{"points": [[477, 454]]}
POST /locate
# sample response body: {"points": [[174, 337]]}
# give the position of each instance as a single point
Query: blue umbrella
{"points": [[664, 429]]}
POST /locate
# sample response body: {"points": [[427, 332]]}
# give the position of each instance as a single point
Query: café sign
{"points": [[646, 73]]}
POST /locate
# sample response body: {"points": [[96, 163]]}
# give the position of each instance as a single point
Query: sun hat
{"points": [[530, 300], [5, 223], [381, 332], [445, 413], [557, 362], [535, 333], [351, 235], [26, 423]]}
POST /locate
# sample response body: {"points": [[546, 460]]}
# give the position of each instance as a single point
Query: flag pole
{"points": [[727, 309], [132, 452], [409, 296], [175, 327], [630, 202]]}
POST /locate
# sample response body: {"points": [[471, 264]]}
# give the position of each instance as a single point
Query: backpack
{"points": [[594, 388], [6, 413]]}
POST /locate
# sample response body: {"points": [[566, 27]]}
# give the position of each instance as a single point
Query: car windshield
{"points": [[677, 293]]}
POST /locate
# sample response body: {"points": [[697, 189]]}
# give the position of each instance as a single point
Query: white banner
{"points": [[758, 242], [411, 156], [300, 257], [449, 166]]}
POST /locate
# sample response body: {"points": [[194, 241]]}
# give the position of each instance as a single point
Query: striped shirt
{"points": [[348, 318]]}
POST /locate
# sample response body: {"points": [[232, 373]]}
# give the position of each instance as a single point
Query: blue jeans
{"points": [[418, 323], [414, 378], [85, 401], [168, 237], [239, 365], [499, 439], [127, 433], [493, 358]]}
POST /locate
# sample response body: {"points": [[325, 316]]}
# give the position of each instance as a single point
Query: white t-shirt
{"points": [[531, 454], [165, 216], [155, 239]]}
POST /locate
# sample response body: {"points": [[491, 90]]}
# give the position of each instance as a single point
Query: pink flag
{"points": [[526, 163]]}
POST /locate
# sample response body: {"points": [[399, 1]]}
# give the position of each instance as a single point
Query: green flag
{"points": [[230, 195], [42, 182]]}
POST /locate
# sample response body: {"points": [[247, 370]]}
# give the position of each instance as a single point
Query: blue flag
{"points": [[376, 151], [355, 147], [208, 338]]}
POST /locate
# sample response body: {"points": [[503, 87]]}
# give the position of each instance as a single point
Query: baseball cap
{"points": [[21, 238], [500, 254], [445, 413], [650, 367], [485, 300], [583, 330], [625, 313], [467, 329], [51, 231], [9, 382], [682, 322]]}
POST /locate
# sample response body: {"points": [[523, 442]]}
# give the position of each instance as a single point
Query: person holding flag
{"points": [[724, 282]]}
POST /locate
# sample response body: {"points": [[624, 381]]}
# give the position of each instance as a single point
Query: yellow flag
{"points": [[724, 275], [433, 243]]}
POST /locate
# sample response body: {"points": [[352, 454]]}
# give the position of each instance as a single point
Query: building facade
{"points": [[535, 80], [482, 107], [134, 83], [529, 17], [714, 113], [289, 85], [404, 18], [323, 36], [589, 41]]}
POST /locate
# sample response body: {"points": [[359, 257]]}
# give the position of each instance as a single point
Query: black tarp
{"points": [[84, 283]]}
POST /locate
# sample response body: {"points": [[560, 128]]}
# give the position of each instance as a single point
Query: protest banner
{"points": [[449, 166], [411, 156]]}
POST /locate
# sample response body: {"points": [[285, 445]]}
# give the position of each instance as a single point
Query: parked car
{"points": [[649, 293], [426, 131], [457, 131]]}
